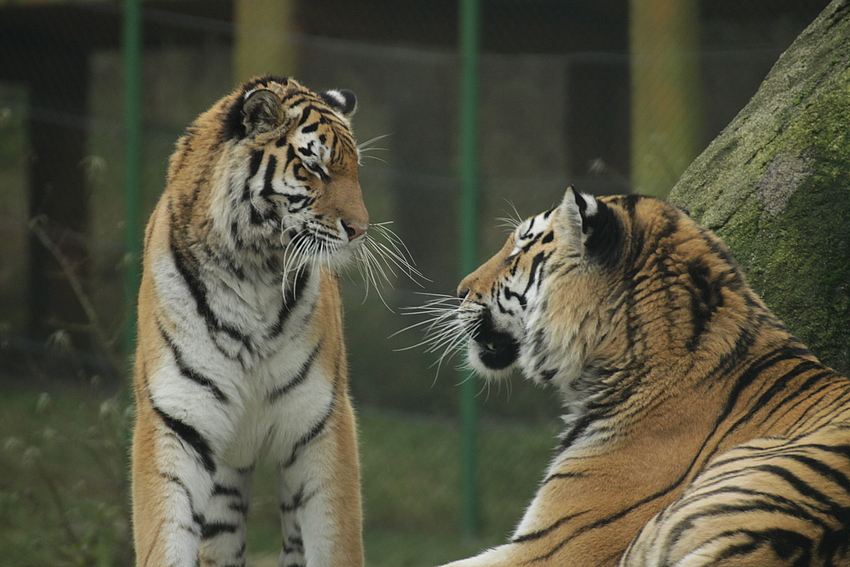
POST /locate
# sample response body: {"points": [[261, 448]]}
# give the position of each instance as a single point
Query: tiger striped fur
{"points": [[240, 349], [699, 431]]}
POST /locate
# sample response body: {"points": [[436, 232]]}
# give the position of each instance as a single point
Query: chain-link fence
{"points": [[555, 109]]}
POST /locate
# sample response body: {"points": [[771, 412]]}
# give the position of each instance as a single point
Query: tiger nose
{"points": [[465, 286], [353, 230]]}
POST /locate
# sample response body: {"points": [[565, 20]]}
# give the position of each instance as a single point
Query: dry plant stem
{"points": [[91, 314]]}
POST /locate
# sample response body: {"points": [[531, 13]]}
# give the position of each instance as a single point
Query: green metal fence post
{"points": [[132, 67], [469, 40]]}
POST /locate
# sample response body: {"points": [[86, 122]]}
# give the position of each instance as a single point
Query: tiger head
{"points": [[283, 167], [595, 285]]}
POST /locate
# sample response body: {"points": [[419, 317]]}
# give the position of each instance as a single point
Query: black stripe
{"points": [[253, 168], [706, 299], [781, 384], [299, 378], [190, 436], [268, 177], [196, 517], [212, 529], [564, 475], [186, 371], [823, 470], [188, 270], [221, 490], [783, 506], [254, 164], [290, 155], [257, 217], [803, 394], [748, 376], [298, 501], [293, 295], [605, 241], [579, 427], [775, 388], [796, 482], [309, 436], [305, 114], [783, 543], [547, 530], [537, 265], [293, 544]]}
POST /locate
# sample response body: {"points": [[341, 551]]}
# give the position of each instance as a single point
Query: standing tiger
{"points": [[240, 347], [699, 431]]}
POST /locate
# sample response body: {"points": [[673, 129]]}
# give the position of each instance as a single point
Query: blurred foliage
{"points": [[12, 127], [64, 488], [63, 493]]}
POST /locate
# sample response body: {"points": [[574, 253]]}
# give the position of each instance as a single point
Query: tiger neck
{"points": [[673, 388]]}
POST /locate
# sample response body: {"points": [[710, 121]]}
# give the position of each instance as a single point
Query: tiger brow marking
{"points": [[268, 178]]}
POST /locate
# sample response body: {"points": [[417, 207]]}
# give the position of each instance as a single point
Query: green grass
{"points": [[63, 484]]}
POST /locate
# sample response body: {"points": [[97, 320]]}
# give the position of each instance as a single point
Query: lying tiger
{"points": [[700, 432]]}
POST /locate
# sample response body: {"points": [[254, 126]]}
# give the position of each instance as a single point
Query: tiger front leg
{"points": [[319, 495], [224, 527], [171, 489]]}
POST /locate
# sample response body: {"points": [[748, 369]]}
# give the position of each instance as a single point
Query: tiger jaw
{"points": [[491, 352], [495, 353]]}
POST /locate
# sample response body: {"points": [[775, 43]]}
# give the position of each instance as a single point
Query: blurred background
{"points": [[612, 96]]}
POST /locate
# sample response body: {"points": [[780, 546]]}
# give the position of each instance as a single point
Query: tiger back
{"points": [[240, 353], [699, 430]]}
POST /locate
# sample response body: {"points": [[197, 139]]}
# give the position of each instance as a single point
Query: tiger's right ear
{"points": [[261, 111]]}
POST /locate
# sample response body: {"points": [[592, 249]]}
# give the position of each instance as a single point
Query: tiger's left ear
{"points": [[590, 226], [573, 215], [343, 101]]}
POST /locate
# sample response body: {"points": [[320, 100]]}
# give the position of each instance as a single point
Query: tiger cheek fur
{"points": [[240, 352], [698, 430]]}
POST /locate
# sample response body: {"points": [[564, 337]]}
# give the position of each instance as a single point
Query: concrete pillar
{"points": [[264, 43], [666, 98]]}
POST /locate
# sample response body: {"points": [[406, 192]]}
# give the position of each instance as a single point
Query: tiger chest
{"points": [[242, 363], [281, 407]]}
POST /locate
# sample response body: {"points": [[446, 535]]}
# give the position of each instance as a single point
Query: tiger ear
{"points": [[573, 215], [261, 111], [342, 100], [591, 226]]}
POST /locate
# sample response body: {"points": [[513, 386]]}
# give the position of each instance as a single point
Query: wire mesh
{"points": [[555, 110]]}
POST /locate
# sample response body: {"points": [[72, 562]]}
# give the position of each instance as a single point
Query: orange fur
{"points": [[670, 367]]}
